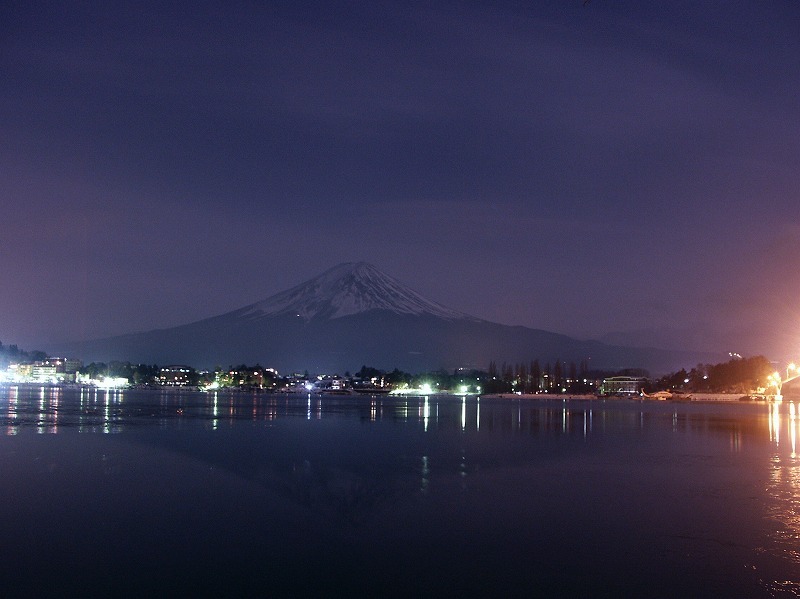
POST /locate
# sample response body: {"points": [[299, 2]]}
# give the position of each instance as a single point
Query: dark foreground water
{"points": [[135, 493]]}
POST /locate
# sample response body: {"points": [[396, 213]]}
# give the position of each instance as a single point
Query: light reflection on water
{"points": [[783, 490], [111, 411], [505, 468]]}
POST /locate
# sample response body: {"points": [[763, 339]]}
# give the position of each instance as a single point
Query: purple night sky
{"points": [[625, 168]]}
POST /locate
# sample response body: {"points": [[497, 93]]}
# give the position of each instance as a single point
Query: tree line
{"points": [[549, 377], [12, 353], [737, 375]]}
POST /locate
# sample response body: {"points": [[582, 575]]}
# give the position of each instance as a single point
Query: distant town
{"points": [[740, 375]]}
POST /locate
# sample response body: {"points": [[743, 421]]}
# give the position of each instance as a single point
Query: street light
{"points": [[775, 379]]}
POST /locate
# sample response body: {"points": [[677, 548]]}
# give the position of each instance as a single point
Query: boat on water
{"points": [[660, 395], [329, 391], [370, 390]]}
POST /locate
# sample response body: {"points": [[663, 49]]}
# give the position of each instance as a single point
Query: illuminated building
{"points": [[175, 376], [43, 373], [627, 385]]}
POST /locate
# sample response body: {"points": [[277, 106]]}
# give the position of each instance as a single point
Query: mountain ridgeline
{"points": [[354, 314]]}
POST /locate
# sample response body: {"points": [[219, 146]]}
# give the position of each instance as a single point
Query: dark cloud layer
{"points": [[620, 166]]}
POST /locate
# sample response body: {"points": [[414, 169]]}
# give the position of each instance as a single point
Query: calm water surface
{"points": [[127, 493]]}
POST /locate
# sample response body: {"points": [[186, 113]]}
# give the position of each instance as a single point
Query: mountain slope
{"points": [[347, 289], [353, 315]]}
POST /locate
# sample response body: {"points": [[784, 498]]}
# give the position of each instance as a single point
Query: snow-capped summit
{"points": [[347, 289]]}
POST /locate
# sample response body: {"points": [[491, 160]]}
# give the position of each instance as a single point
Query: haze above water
{"points": [[259, 495]]}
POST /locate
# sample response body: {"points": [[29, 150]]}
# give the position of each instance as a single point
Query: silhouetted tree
{"points": [[558, 377], [523, 378], [536, 376], [572, 376]]}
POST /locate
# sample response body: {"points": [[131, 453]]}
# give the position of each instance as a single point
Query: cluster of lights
{"points": [[110, 382], [775, 379], [430, 389], [423, 389]]}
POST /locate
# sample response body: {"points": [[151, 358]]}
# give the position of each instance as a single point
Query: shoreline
{"points": [[692, 398]]}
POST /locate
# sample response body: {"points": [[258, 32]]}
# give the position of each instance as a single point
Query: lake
{"points": [[110, 493]]}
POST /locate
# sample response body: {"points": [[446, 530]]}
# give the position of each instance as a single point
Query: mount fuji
{"points": [[349, 289], [354, 315]]}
